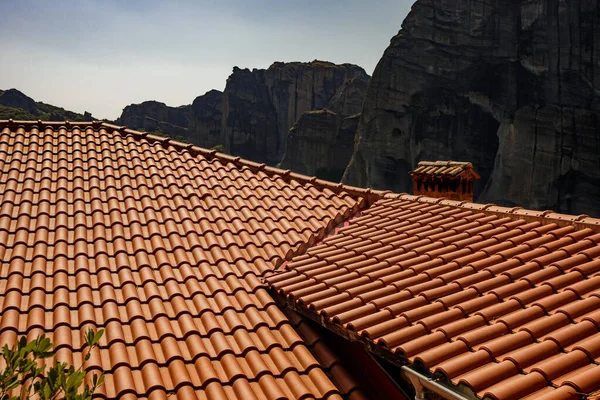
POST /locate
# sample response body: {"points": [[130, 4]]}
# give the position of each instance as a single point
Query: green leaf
{"points": [[23, 342], [97, 336], [47, 392]]}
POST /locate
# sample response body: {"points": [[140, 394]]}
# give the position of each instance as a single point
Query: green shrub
{"points": [[61, 381], [159, 133], [220, 148], [18, 114]]}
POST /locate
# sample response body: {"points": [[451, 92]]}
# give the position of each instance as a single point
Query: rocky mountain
{"points": [[253, 116], [156, 116], [198, 123], [205, 119], [511, 86], [260, 106], [18, 106], [320, 143]]}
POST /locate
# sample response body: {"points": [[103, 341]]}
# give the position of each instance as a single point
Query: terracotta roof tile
{"points": [[498, 300], [163, 245]]}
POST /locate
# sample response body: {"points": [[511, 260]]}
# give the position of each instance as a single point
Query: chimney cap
{"points": [[444, 169]]}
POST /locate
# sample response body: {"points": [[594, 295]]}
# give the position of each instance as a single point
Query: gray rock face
{"points": [[205, 119], [349, 98], [510, 86], [311, 142], [253, 116], [198, 123], [555, 166], [249, 125], [321, 142], [156, 116], [260, 106]]}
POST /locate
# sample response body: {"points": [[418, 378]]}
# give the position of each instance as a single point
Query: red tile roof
{"points": [[503, 302], [163, 245]]}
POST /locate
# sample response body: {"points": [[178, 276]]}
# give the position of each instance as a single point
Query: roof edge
{"points": [[545, 217], [368, 194]]}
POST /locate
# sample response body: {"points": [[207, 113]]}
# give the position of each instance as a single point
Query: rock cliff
{"points": [[155, 116], [198, 123], [204, 126], [320, 143], [254, 114], [349, 98], [260, 106], [511, 86]]}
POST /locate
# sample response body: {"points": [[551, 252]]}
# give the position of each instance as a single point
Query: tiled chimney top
{"points": [[449, 179]]}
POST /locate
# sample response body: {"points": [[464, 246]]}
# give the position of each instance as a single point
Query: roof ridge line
{"points": [[66, 123], [545, 217]]}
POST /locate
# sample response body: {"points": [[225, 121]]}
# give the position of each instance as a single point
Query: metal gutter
{"points": [[423, 383]]}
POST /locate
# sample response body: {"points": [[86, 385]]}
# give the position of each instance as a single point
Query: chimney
{"points": [[450, 179]]}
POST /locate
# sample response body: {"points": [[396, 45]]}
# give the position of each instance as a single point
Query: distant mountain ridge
{"points": [[300, 115], [16, 105]]}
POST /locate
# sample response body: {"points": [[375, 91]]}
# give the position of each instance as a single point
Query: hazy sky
{"points": [[101, 55]]}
